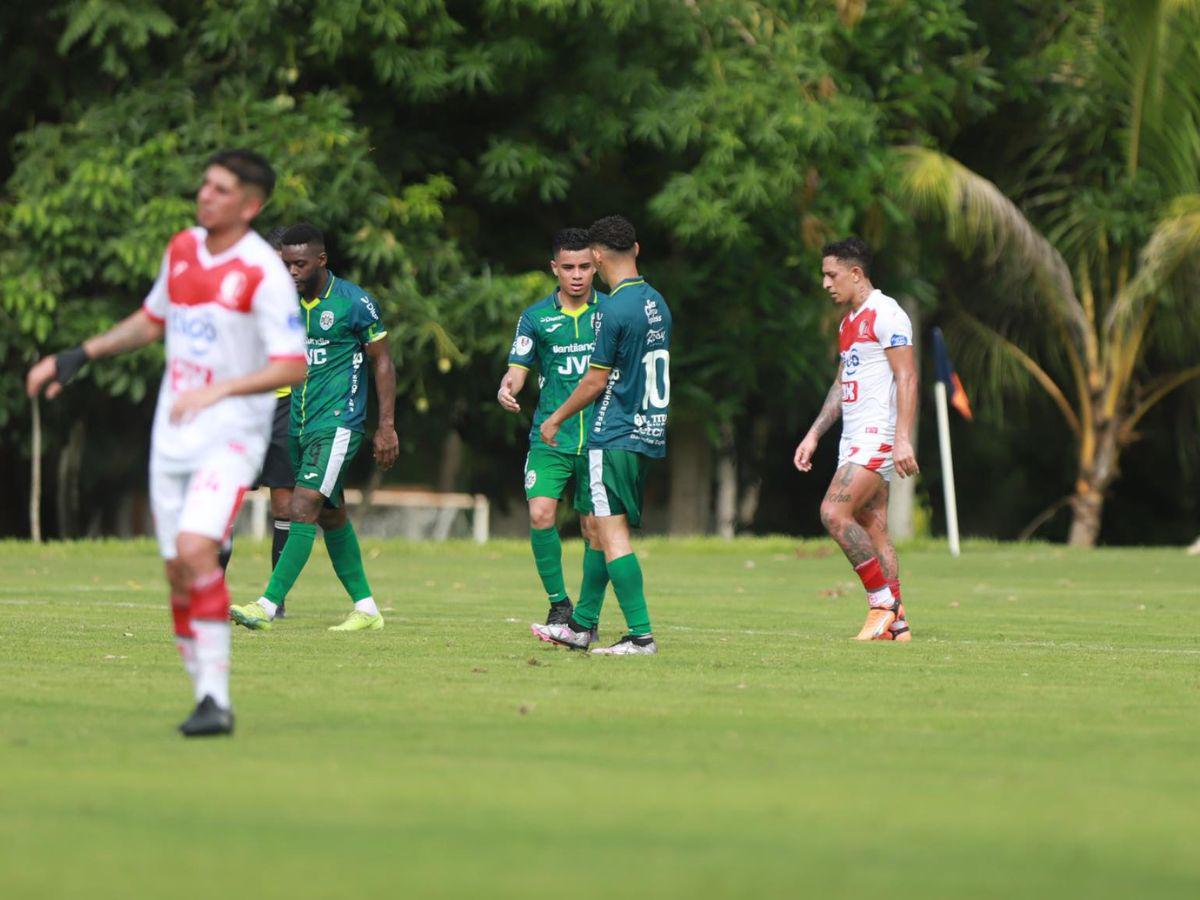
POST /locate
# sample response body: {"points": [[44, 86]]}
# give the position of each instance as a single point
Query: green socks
{"points": [[291, 561], [626, 577], [547, 553], [591, 592], [342, 544]]}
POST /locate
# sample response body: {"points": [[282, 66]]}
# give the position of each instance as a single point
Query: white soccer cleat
{"points": [[563, 635], [630, 645]]}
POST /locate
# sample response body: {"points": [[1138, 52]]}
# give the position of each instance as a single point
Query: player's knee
{"points": [[197, 555], [177, 578], [329, 519], [306, 506], [542, 515], [833, 515], [281, 503]]}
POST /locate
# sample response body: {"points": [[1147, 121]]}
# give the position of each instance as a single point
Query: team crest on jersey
{"points": [[326, 320], [232, 286], [522, 345], [530, 479]]}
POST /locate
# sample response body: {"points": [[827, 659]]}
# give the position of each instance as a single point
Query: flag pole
{"points": [[943, 423]]}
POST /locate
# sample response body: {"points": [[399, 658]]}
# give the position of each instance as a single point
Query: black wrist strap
{"points": [[68, 363]]}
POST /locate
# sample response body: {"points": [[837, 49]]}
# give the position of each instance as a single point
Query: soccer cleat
{"points": [[898, 630], [252, 615], [359, 621], [207, 720], [564, 635], [630, 645], [877, 624], [560, 612]]}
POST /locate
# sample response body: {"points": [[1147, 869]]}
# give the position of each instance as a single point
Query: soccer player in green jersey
{"points": [[329, 410], [629, 380], [556, 335]]}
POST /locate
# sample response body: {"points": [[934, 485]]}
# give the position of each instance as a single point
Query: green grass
{"points": [[1040, 736]]}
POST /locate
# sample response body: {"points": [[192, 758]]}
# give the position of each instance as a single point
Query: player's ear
{"points": [[322, 259], [637, 248]]}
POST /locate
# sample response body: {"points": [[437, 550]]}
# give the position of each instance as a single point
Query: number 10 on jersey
{"points": [[658, 379]]}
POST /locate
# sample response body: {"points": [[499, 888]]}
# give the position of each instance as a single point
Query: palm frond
{"points": [[980, 218], [1175, 240]]}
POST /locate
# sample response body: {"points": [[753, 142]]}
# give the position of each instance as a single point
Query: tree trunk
{"points": [[902, 497], [691, 465], [69, 462], [748, 502], [452, 453], [727, 482], [1087, 504], [35, 476]]}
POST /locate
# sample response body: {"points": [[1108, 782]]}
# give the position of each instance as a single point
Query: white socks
{"points": [[367, 605], [212, 660], [881, 599], [268, 606]]}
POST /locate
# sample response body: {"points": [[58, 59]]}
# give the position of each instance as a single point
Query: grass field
{"points": [[1039, 737]]}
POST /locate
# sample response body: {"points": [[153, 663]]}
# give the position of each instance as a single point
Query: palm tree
{"points": [[1100, 308]]}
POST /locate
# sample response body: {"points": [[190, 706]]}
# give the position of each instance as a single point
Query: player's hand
{"points": [[804, 453], [40, 373], [903, 458], [189, 404], [505, 395], [549, 433], [386, 446]]}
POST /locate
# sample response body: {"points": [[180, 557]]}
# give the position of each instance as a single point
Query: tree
{"points": [[1100, 242]]}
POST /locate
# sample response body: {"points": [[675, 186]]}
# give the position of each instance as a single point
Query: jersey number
{"points": [[658, 394]]}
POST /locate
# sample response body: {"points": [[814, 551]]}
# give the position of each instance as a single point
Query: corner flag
{"points": [[946, 374]]}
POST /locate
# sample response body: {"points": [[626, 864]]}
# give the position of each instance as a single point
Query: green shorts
{"points": [[320, 460], [618, 479], [547, 473]]}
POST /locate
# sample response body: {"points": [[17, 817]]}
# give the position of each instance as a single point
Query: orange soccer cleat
{"points": [[898, 630], [877, 624]]}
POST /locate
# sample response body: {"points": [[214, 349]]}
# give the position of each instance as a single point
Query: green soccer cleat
{"points": [[359, 621], [252, 615]]}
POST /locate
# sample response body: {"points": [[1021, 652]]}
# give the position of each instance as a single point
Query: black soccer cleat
{"points": [[208, 719], [560, 612]]}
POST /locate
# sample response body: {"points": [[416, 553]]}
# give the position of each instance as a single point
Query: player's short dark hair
{"points": [[301, 234], [274, 237], [250, 168], [613, 232], [853, 250], [569, 239]]}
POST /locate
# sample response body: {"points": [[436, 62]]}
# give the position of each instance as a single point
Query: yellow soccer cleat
{"points": [[360, 621], [253, 615], [877, 624]]}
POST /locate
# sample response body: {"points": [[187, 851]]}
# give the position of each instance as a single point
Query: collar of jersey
{"points": [[626, 283], [854, 314], [577, 313], [309, 304]]}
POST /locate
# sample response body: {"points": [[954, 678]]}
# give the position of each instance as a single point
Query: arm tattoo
{"points": [[831, 409]]}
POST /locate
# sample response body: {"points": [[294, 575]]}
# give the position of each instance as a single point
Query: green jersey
{"points": [[339, 322], [560, 343], [633, 340]]}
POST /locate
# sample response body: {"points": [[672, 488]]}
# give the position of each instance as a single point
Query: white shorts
{"points": [[204, 500], [871, 451]]}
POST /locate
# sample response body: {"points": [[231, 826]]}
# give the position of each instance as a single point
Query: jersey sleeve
{"points": [[158, 300], [894, 328], [368, 327], [277, 315], [522, 352], [608, 328]]}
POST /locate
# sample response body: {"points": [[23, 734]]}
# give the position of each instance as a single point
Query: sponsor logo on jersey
{"points": [[656, 336], [326, 320], [553, 328], [557, 318], [653, 316], [196, 329], [574, 348], [370, 307], [522, 345], [899, 340]]}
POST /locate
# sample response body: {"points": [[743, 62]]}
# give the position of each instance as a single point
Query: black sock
{"points": [[279, 536], [225, 554]]}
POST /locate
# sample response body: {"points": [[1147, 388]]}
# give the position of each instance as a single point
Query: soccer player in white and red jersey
{"points": [[233, 335], [875, 393]]}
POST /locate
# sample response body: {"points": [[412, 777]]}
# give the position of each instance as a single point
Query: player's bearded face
{"points": [[575, 270], [223, 201], [305, 264]]}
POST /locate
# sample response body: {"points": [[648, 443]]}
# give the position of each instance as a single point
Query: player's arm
{"points": [[831, 410], [278, 371], [386, 443], [904, 368], [134, 331], [589, 388], [510, 386]]}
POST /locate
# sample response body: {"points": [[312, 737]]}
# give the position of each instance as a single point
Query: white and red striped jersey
{"points": [[225, 316], [868, 385]]}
